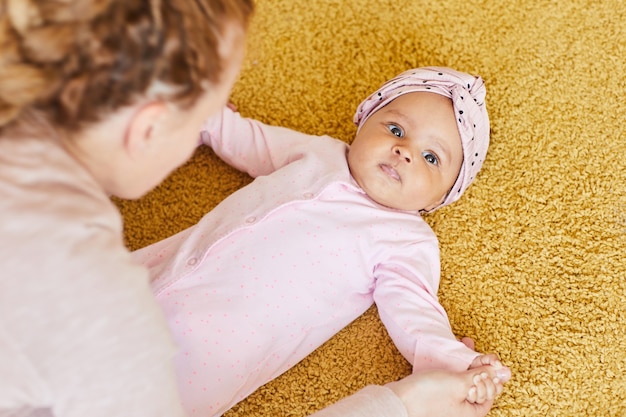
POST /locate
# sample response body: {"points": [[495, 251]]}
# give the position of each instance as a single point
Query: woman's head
{"points": [[75, 62], [437, 118], [124, 84]]}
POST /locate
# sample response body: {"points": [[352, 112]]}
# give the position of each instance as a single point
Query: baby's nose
{"points": [[403, 153]]}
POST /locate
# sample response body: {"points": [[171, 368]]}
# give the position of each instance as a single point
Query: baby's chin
{"points": [[395, 205], [384, 200]]}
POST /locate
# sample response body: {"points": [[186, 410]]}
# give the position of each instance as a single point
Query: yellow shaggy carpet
{"points": [[533, 254]]}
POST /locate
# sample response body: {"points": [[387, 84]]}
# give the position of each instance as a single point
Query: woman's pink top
{"points": [[80, 332]]}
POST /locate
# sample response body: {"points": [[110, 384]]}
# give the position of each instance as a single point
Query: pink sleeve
{"points": [[251, 146], [406, 298], [371, 401]]}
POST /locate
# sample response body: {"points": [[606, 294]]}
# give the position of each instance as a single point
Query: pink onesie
{"points": [[283, 264]]}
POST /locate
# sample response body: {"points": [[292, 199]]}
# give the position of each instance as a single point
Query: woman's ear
{"points": [[140, 132]]}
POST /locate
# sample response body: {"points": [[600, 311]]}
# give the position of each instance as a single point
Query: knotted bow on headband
{"points": [[467, 93]]}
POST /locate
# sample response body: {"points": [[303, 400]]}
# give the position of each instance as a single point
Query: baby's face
{"points": [[408, 154]]}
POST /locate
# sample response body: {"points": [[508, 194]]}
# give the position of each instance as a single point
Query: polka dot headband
{"points": [[467, 93]]}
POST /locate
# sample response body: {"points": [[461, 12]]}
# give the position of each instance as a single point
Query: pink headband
{"points": [[468, 100]]}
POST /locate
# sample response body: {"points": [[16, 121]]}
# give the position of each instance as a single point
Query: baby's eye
{"points": [[431, 158], [396, 131]]}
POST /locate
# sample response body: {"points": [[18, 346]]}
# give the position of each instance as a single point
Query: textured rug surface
{"points": [[532, 255]]}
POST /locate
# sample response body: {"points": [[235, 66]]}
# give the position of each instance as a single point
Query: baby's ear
{"points": [[142, 126]]}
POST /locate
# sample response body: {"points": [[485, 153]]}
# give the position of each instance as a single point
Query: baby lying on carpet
{"points": [[325, 230]]}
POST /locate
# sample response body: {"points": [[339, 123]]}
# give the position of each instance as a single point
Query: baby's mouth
{"points": [[389, 170]]}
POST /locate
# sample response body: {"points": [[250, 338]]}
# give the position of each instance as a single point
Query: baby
{"points": [[324, 231]]}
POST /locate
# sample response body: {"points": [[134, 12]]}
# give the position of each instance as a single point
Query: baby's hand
{"points": [[485, 388], [489, 359]]}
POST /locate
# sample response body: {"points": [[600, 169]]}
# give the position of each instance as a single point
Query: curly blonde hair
{"points": [[74, 61]]}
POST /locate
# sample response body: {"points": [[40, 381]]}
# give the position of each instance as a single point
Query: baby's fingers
{"points": [[484, 389], [489, 359]]}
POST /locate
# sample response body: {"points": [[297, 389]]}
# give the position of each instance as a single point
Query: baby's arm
{"points": [[420, 329], [251, 146], [406, 297]]}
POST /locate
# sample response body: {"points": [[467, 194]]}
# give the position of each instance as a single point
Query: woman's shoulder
{"points": [[50, 207]]}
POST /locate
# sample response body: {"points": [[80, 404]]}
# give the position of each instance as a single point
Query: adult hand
{"points": [[444, 393]]}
